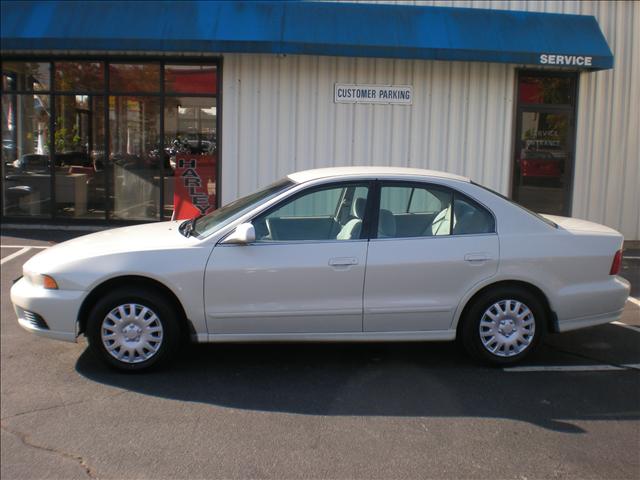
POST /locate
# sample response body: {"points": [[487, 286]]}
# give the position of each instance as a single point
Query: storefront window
{"points": [[190, 131], [26, 174], [134, 140], [79, 76], [98, 140], [78, 137], [190, 79], [26, 76], [138, 78]]}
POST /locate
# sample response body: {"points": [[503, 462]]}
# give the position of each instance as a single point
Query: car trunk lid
{"points": [[579, 226]]}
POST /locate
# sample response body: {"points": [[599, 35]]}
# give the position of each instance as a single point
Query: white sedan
{"points": [[342, 254]]}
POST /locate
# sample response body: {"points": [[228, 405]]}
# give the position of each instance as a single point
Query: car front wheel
{"points": [[133, 329], [504, 325]]}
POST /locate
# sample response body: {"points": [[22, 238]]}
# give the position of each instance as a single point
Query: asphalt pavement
{"points": [[319, 411]]}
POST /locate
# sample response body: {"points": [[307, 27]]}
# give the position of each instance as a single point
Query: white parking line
{"points": [[24, 246], [14, 255], [635, 328], [630, 258], [573, 368]]}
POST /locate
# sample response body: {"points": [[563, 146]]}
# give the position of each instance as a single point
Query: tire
{"points": [[133, 329], [516, 329]]}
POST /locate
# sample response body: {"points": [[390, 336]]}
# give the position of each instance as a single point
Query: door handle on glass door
{"points": [[343, 261]]}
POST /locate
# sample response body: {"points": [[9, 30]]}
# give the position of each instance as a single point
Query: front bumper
{"points": [[58, 308]]}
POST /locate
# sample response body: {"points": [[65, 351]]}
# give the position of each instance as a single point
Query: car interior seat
{"points": [[353, 227], [471, 221], [441, 224], [386, 224]]}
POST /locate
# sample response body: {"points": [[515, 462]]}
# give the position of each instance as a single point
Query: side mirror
{"points": [[242, 235]]}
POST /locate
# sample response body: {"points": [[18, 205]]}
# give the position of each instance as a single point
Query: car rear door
{"points": [[431, 246]]}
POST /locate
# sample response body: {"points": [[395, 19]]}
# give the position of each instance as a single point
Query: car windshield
{"points": [[537, 215], [205, 226]]}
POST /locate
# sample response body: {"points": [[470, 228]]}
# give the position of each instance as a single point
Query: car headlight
{"points": [[40, 280]]}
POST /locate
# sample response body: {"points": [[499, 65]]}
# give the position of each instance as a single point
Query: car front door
{"points": [[432, 245], [303, 274]]}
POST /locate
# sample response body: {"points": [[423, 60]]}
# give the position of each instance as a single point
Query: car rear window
{"points": [[537, 215]]}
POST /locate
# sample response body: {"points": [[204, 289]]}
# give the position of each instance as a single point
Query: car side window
{"points": [[414, 211], [424, 201], [330, 213], [470, 218]]}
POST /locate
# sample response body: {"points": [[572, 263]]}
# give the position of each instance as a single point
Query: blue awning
{"points": [[312, 28]]}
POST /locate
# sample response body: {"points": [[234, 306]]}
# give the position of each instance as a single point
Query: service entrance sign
{"points": [[378, 94]]}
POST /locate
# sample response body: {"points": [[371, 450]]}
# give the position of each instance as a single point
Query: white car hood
{"points": [[152, 236]]}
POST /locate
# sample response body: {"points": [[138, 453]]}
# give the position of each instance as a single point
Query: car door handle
{"points": [[343, 261], [476, 257]]}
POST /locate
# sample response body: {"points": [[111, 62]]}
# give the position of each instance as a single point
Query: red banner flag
{"points": [[195, 185]]}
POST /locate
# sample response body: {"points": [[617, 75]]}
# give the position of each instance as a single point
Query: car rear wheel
{"points": [[133, 329], [503, 326]]}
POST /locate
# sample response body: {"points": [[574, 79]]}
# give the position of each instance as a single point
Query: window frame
{"points": [[366, 220], [373, 232]]}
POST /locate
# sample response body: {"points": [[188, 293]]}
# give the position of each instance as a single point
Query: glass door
{"points": [[544, 146]]}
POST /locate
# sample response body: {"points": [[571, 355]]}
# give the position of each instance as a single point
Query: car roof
{"points": [[368, 172]]}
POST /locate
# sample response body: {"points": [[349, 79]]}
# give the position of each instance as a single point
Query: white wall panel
{"points": [[279, 117]]}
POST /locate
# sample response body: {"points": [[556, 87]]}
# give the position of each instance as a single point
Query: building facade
{"points": [[97, 125]]}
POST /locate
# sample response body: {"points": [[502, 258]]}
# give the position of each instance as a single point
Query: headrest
{"points": [[386, 224], [473, 222], [461, 208], [441, 224], [357, 209]]}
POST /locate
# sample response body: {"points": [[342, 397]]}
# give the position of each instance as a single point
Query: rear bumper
{"points": [[590, 321], [58, 308], [602, 302], [581, 300]]}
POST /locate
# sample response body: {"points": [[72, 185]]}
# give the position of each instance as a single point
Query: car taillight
{"points": [[616, 264]]}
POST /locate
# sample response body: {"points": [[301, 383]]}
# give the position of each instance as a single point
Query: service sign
{"points": [[378, 94], [567, 60], [194, 191]]}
